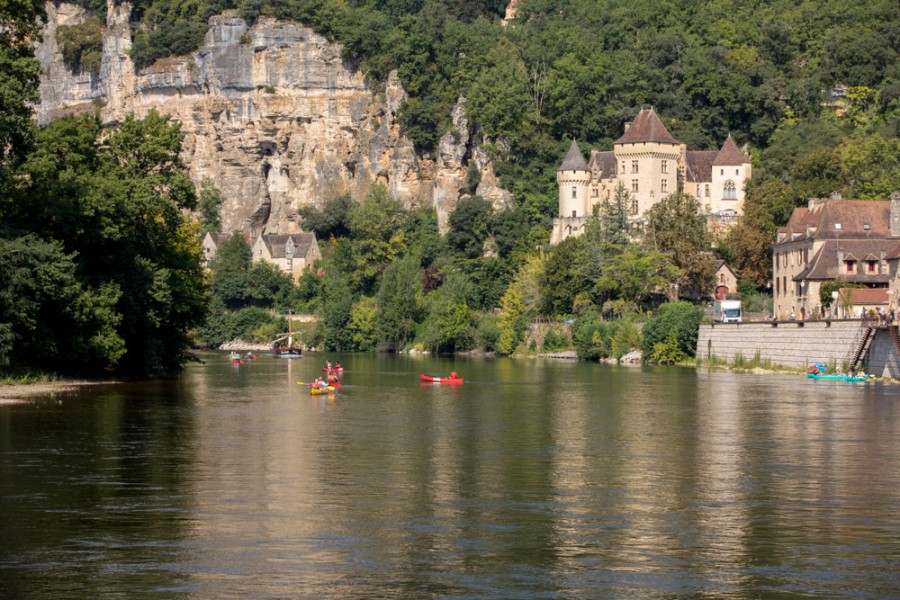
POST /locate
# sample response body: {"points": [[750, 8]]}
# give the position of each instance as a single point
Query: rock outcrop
{"points": [[271, 115]]}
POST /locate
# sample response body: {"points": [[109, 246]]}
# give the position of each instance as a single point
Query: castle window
{"points": [[574, 192], [870, 264], [634, 185], [851, 265], [634, 166], [665, 166], [730, 191], [706, 190], [594, 192], [664, 186], [289, 264], [737, 171], [721, 171], [634, 206], [574, 213]]}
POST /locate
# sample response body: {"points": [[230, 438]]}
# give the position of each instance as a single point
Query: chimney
{"points": [[895, 215], [627, 125]]}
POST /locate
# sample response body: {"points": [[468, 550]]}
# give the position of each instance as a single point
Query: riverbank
{"points": [[12, 393]]}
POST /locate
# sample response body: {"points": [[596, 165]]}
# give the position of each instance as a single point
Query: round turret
{"points": [[573, 178]]}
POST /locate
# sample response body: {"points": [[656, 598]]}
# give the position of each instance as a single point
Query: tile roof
{"points": [[277, 243], [729, 154], [817, 221], [604, 161], [574, 160], [699, 165], [823, 266], [647, 128], [866, 295]]}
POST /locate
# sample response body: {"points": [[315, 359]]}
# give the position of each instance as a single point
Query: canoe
{"points": [[321, 392], [838, 377], [431, 379]]}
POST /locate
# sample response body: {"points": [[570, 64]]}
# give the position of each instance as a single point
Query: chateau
{"points": [[650, 164]]}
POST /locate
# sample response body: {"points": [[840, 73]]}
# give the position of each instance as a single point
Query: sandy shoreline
{"points": [[14, 393]]}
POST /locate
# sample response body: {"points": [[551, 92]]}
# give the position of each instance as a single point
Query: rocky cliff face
{"points": [[271, 115]]}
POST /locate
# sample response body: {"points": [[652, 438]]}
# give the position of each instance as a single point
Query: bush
{"points": [[488, 335], [555, 340], [81, 45], [680, 318], [589, 335]]}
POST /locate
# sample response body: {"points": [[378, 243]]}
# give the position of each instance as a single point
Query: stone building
{"points": [[832, 238], [650, 164], [293, 253]]}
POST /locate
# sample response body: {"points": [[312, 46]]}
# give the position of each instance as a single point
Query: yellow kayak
{"points": [[321, 391]]}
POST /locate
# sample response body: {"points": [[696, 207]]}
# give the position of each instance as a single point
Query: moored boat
{"points": [[838, 377], [432, 379]]}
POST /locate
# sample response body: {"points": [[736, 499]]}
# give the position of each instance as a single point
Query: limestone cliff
{"points": [[271, 115]]}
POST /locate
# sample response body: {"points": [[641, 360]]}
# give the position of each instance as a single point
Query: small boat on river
{"points": [[838, 377], [322, 391], [432, 379]]}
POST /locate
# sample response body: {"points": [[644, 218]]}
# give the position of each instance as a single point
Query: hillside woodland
{"points": [[813, 88]]}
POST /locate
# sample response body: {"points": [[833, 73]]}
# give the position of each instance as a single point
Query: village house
{"points": [[211, 243], [856, 302], [853, 240], [293, 253], [726, 280], [650, 164]]}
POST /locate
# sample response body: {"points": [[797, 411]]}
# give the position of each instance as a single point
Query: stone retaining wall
{"points": [[797, 344]]}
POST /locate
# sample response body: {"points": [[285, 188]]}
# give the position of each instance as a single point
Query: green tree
{"points": [[676, 227], [470, 226], [634, 275], [451, 325], [398, 303], [229, 271], [332, 220], [337, 302], [363, 324], [680, 320], [377, 237], [119, 209], [209, 206], [561, 282]]}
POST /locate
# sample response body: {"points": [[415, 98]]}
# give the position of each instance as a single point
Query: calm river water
{"points": [[534, 479]]}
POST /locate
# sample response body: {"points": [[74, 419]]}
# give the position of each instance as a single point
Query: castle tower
{"points": [[648, 160], [573, 178], [730, 170]]}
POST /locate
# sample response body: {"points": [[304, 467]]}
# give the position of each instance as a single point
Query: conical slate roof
{"points": [[729, 154], [647, 128], [574, 160]]}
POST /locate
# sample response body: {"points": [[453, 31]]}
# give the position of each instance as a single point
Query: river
{"points": [[534, 479]]}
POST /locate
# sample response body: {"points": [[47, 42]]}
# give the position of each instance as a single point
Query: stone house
{"points": [[726, 280], [650, 164], [829, 239], [293, 253], [211, 243], [853, 303]]}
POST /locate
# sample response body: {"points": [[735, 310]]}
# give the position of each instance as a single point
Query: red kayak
{"points": [[333, 369], [430, 379]]}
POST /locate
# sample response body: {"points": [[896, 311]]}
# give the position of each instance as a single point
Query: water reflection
{"points": [[534, 479]]}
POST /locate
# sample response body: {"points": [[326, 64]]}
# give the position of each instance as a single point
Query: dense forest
{"points": [[812, 87]]}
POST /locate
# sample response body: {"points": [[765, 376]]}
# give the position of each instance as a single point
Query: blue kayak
{"points": [[837, 376]]}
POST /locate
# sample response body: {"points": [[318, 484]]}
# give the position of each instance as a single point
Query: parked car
{"points": [[727, 212]]}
